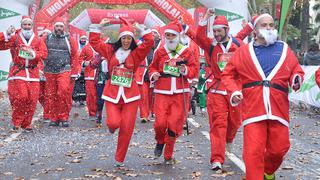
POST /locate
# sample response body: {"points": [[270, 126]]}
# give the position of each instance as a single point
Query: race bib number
{"points": [[121, 77], [172, 70], [223, 59], [25, 55]]}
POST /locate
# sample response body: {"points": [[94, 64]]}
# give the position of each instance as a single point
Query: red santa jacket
{"points": [[318, 77], [262, 102], [25, 69], [171, 85], [196, 53], [112, 93], [87, 54], [2, 41], [141, 71]]}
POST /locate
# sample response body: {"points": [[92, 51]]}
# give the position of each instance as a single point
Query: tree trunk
{"points": [[304, 25]]}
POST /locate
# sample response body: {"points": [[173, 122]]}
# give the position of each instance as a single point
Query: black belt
{"points": [[21, 67], [266, 83], [143, 66]]}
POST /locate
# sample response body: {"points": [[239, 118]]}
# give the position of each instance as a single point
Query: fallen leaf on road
{"points": [[110, 175], [196, 175], [59, 169], [287, 168], [134, 144], [223, 174], [91, 176], [96, 170], [131, 174], [76, 161]]}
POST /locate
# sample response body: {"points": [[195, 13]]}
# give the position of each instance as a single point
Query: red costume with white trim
{"points": [[171, 93], [122, 102], [318, 77], [224, 119], [144, 89], [265, 107], [59, 85], [23, 80], [87, 54]]}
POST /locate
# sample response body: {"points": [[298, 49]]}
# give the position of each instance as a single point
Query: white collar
{"points": [[122, 55]]}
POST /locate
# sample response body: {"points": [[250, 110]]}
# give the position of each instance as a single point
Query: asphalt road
{"points": [[83, 151]]}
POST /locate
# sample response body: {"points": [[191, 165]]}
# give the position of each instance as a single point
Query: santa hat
{"points": [[157, 30], [59, 21], [26, 18], [82, 35], [256, 19], [220, 22], [126, 28], [173, 27]]}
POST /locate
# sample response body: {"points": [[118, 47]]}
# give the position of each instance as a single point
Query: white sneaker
{"points": [[216, 167], [229, 147]]}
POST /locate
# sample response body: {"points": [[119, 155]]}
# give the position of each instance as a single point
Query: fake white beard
{"points": [[172, 44], [27, 33], [270, 36]]}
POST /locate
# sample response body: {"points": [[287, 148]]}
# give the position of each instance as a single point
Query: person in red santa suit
{"points": [[318, 77], [142, 78], [78, 87], [61, 69], [224, 119], [27, 50], [43, 98], [121, 92], [266, 67], [172, 65], [87, 54]]}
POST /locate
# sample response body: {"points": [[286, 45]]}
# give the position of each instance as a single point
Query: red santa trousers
{"points": [[265, 145], [144, 105], [43, 99], [23, 96], [151, 100], [123, 116], [224, 122], [72, 84], [58, 93], [170, 117], [91, 97]]}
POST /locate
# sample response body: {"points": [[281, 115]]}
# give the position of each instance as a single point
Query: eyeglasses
{"points": [[29, 24]]}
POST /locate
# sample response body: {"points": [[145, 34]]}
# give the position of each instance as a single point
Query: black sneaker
{"points": [[65, 124], [158, 150], [54, 124], [98, 123]]}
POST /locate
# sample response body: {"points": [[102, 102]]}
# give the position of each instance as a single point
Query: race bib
{"points": [[121, 77], [223, 59], [25, 55], [172, 70]]}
